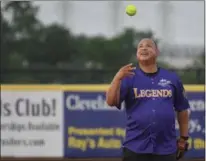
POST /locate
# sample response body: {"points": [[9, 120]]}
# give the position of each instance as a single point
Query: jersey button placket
{"points": [[152, 79], [152, 136], [153, 113]]}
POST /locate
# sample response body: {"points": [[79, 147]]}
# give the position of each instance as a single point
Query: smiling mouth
{"points": [[144, 54]]}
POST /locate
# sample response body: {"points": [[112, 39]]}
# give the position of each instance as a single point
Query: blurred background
{"points": [[88, 41]]}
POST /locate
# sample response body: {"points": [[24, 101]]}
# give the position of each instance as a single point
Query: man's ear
{"points": [[157, 51]]}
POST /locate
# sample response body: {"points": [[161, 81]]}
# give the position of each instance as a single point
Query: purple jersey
{"points": [[151, 102]]}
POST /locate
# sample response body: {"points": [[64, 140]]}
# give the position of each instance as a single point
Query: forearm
{"points": [[183, 120], [113, 93]]}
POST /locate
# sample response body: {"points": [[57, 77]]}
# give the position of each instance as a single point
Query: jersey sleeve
{"points": [[181, 102], [123, 91]]}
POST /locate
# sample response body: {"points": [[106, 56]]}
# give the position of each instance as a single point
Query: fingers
{"points": [[127, 70], [132, 68], [129, 67]]}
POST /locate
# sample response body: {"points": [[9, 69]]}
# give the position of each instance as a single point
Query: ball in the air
{"points": [[131, 10]]}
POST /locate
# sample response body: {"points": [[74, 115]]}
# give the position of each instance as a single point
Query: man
{"points": [[152, 95]]}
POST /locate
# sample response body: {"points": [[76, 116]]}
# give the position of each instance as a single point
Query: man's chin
{"points": [[144, 59]]}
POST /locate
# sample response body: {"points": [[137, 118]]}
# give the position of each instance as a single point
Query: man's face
{"points": [[146, 50]]}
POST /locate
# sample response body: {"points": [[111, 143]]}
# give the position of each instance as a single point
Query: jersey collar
{"points": [[150, 74]]}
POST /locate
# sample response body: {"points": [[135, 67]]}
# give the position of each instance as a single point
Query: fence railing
{"points": [[81, 76]]}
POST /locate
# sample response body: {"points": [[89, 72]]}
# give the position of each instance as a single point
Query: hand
{"points": [[125, 71], [182, 147]]}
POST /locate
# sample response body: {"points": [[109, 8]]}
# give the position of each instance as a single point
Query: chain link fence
{"points": [[82, 76]]}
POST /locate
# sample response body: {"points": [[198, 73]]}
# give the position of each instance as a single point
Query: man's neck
{"points": [[148, 68]]}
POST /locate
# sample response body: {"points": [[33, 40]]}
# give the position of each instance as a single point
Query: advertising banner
{"points": [[75, 121], [31, 123], [92, 129], [196, 124]]}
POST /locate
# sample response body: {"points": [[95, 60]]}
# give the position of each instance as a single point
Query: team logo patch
{"points": [[164, 82]]}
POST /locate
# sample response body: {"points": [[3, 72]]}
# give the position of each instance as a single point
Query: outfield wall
{"points": [[75, 121]]}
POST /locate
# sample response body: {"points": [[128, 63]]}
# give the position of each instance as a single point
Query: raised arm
{"points": [[113, 93]]}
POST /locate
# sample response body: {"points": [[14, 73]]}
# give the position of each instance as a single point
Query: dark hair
{"points": [[155, 41]]}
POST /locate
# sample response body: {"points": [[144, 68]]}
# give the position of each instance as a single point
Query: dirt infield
{"points": [[76, 159]]}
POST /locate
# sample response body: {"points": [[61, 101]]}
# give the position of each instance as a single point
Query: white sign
{"points": [[31, 124]]}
